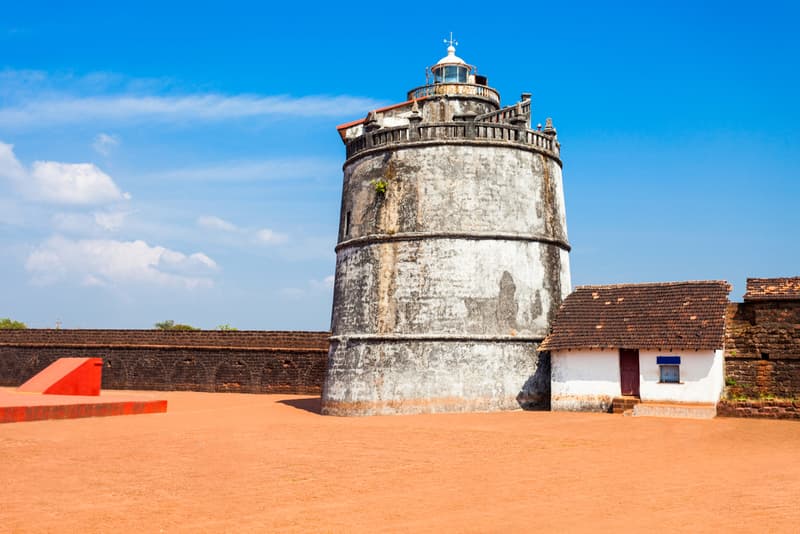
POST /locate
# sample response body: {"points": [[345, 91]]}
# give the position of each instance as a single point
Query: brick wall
{"points": [[762, 349], [246, 361]]}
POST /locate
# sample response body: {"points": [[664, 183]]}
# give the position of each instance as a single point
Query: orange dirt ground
{"points": [[229, 462]]}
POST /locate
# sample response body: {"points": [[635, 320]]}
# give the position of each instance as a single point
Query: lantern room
{"points": [[452, 69]]}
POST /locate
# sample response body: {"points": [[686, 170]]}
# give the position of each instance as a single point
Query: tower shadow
{"points": [[311, 404]]}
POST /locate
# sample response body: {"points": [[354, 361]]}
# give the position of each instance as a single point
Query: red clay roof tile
{"points": [[686, 315]]}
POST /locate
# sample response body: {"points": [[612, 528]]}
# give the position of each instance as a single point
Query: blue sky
{"points": [[181, 161]]}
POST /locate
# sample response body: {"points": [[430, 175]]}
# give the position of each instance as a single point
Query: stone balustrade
{"points": [[466, 130], [506, 114]]}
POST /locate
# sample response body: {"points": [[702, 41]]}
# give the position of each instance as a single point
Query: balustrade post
{"points": [[413, 122], [468, 118], [552, 134], [519, 121], [469, 131], [370, 126]]}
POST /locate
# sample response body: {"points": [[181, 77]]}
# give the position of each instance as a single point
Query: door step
{"points": [[622, 404]]}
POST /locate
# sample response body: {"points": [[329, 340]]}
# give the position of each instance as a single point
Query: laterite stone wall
{"points": [[238, 361], [762, 349], [762, 409]]}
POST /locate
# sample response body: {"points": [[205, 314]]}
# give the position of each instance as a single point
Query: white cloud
{"points": [[10, 167], [111, 263], [59, 183], [215, 223], [110, 220], [270, 237], [48, 109], [245, 236], [105, 143], [73, 222], [87, 223], [73, 183]]}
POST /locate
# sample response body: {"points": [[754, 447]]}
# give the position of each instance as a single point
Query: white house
{"points": [[660, 342]]}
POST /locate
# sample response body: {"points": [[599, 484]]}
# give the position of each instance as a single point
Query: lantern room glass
{"points": [[450, 74]]}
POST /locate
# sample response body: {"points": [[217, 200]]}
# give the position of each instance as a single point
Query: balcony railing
{"points": [[465, 89]]}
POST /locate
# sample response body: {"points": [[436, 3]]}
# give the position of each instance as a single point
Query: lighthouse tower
{"points": [[452, 254]]}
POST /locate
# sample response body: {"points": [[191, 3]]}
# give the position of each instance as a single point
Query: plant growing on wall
{"points": [[380, 186], [10, 324], [227, 328]]}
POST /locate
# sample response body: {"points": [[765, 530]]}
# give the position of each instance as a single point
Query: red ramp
{"points": [[16, 407], [67, 376]]}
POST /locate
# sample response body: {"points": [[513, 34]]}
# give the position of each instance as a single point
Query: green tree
{"points": [[10, 324], [227, 328], [169, 324]]}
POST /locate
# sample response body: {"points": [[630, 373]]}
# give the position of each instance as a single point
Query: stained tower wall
{"points": [[452, 258]]}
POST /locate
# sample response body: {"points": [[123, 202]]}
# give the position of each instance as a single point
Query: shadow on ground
{"points": [[311, 404]]}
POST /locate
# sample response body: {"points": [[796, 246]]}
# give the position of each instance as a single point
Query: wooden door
{"points": [[629, 371]]}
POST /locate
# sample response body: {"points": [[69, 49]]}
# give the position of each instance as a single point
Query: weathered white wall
{"points": [[445, 286], [584, 380], [388, 376], [446, 280], [588, 380], [702, 377], [458, 187]]}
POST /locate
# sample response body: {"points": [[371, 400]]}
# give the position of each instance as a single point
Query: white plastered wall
{"points": [[589, 379], [584, 379], [701, 376]]}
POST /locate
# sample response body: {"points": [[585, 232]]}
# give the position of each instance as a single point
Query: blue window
{"points": [[670, 374]]}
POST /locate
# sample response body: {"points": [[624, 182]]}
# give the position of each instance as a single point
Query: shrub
{"points": [[169, 324], [10, 324]]}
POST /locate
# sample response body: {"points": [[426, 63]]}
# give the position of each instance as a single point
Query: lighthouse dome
{"points": [[451, 58]]}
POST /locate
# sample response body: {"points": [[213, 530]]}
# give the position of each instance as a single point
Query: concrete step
{"points": [[681, 410]]}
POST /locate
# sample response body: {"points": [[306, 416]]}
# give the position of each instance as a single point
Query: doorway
{"points": [[629, 371]]}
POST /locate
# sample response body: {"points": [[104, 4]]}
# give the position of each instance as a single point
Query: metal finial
{"points": [[451, 41]]}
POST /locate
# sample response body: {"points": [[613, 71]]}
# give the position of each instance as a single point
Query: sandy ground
{"points": [[235, 463]]}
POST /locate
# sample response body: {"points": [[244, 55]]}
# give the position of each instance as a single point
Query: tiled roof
{"points": [[677, 315], [773, 289]]}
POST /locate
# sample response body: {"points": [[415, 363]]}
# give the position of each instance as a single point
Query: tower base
{"points": [[383, 376]]}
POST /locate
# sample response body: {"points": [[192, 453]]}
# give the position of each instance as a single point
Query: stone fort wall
{"points": [[762, 350], [233, 361], [762, 358]]}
